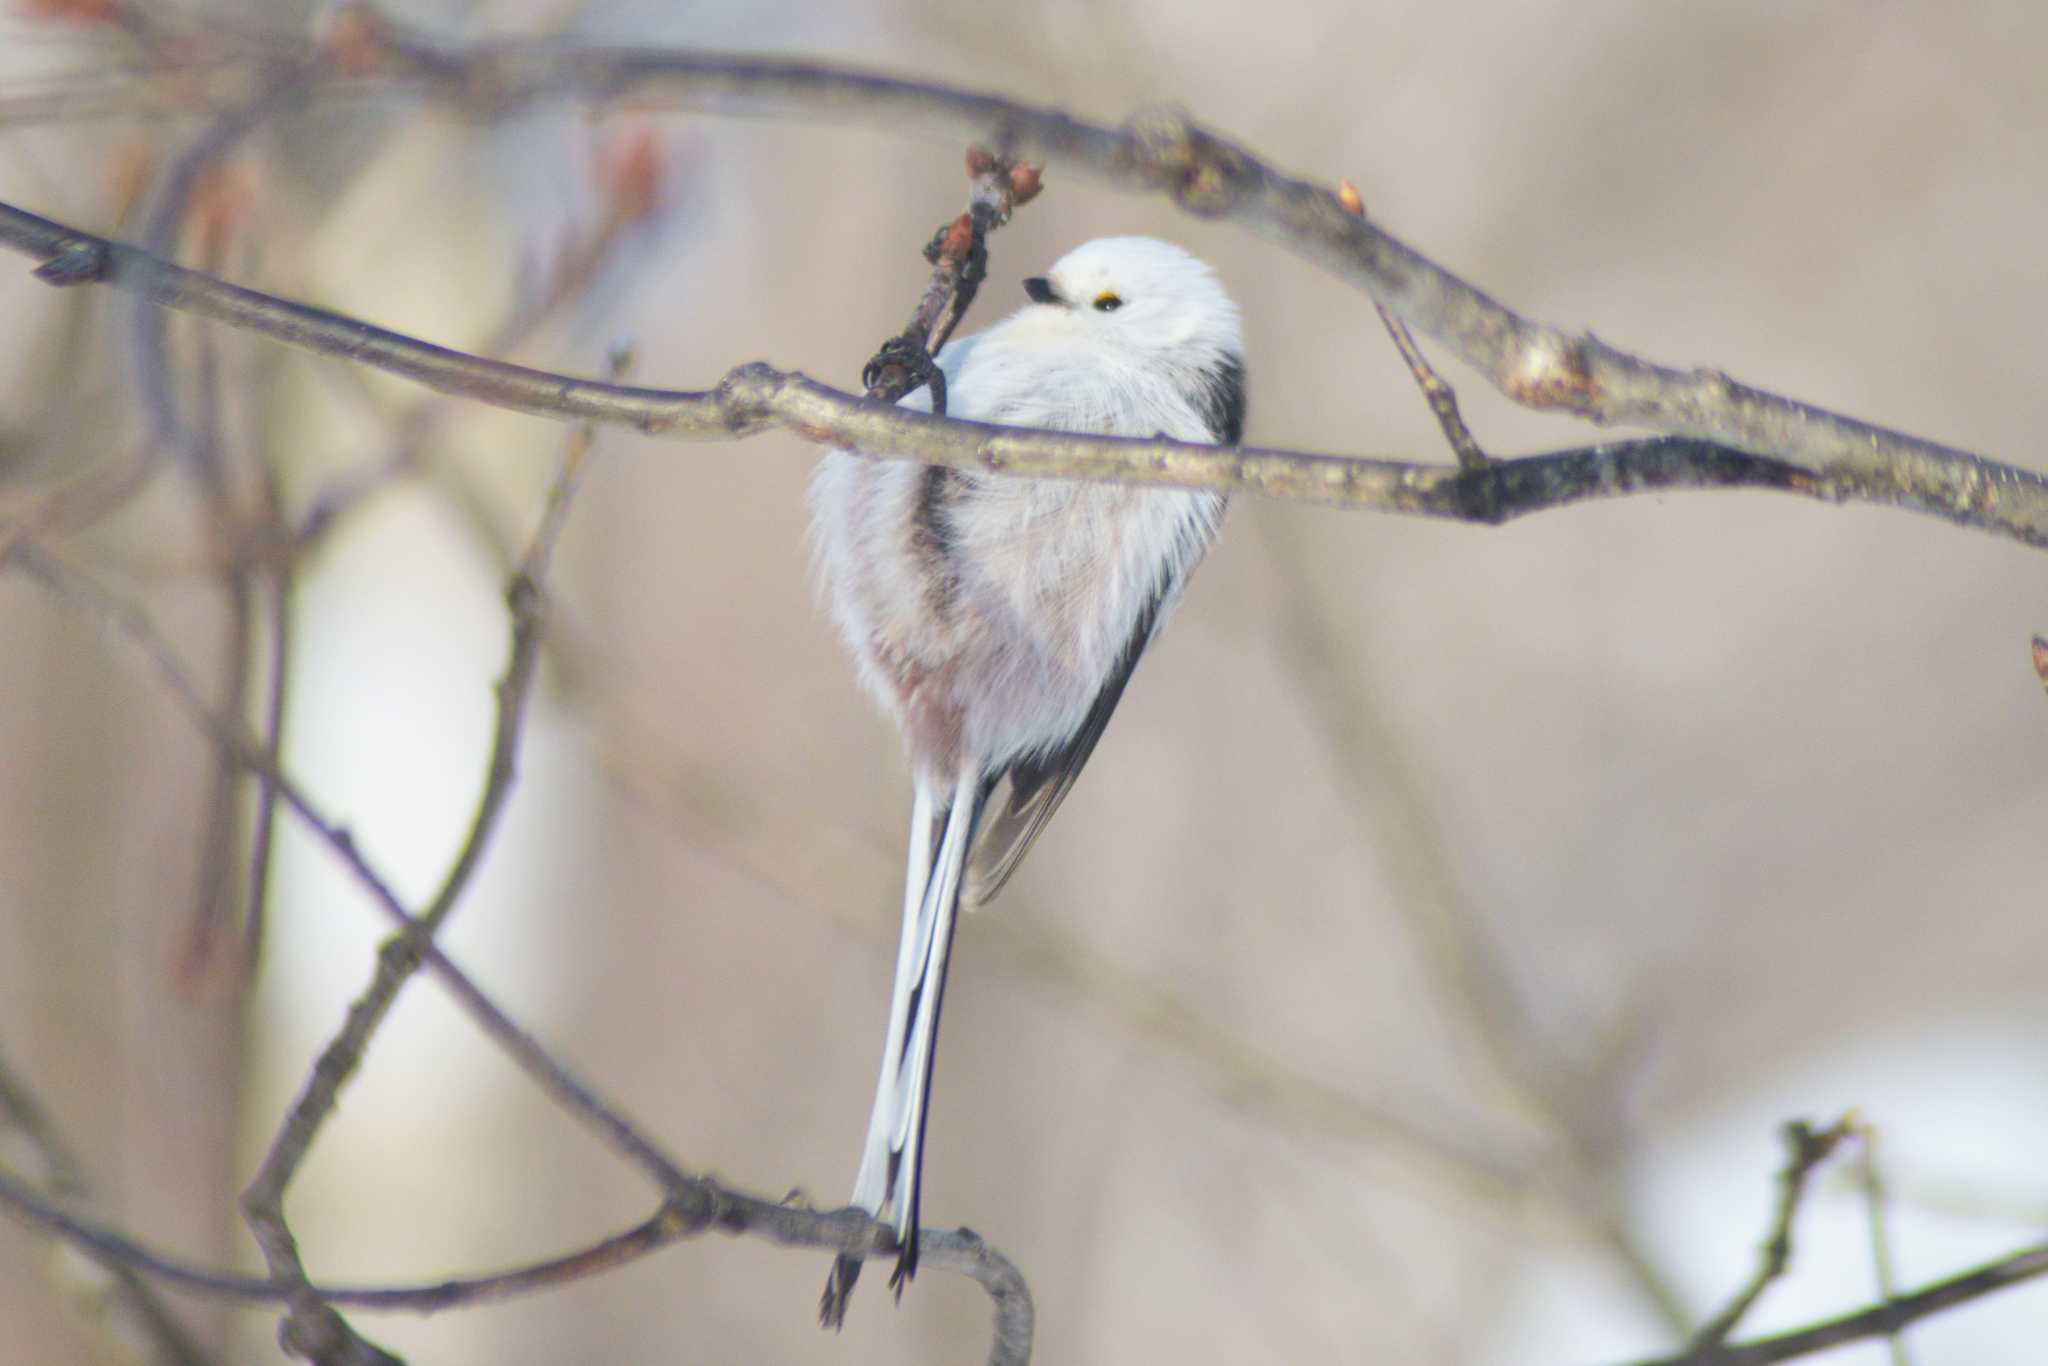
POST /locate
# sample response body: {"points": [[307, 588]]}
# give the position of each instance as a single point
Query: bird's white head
{"points": [[1137, 294]]}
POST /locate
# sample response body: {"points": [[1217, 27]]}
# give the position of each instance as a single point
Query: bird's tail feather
{"points": [[942, 828]]}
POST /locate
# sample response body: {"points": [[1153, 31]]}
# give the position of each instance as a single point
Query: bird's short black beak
{"points": [[1040, 290]]}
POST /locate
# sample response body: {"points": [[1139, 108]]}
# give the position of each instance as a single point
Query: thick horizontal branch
{"points": [[1164, 152], [755, 398]]}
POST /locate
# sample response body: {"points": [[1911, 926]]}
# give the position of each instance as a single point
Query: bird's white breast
{"points": [[991, 638]]}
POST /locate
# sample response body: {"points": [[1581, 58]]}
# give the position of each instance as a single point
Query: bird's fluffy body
{"points": [[996, 618], [984, 611]]}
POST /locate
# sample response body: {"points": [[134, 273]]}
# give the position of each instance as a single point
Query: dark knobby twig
{"points": [[958, 253], [1807, 1149]]}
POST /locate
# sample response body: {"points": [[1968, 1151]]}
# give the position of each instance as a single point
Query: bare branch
{"points": [[1719, 434], [1878, 1321], [1164, 152], [676, 1221], [958, 253], [1442, 399], [1876, 1205], [319, 1332], [1808, 1148], [701, 1205], [756, 397]]}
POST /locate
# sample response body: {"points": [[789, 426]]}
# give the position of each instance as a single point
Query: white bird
{"points": [[997, 618]]}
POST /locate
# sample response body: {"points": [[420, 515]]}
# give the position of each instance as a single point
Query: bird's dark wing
{"points": [[1034, 786], [1222, 402]]}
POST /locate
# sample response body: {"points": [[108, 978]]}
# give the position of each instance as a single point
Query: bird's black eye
{"points": [[1107, 302]]}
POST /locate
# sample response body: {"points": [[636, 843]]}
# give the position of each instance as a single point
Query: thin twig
{"points": [[634, 194], [1807, 1149], [133, 625], [278, 587], [1442, 399], [1876, 1209], [310, 1319], [706, 1205], [958, 253]]}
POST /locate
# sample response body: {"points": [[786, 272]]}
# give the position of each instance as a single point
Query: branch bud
{"points": [[959, 239], [1025, 182]]}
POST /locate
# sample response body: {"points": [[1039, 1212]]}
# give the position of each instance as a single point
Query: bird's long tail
{"points": [[942, 827]]}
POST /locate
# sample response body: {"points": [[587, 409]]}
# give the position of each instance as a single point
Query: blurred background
{"points": [[1444, 927]]}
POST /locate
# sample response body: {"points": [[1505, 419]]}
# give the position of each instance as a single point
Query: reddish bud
{"points": [[959, 239], [1352, 201], [980, 161], [1025, 182]]}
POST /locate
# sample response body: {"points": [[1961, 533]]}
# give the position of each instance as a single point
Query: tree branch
{"points": [[1159, 152], [1807, 1149], [1881, 1320], [756, 397], [698, 1203], [702, 1206]]}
